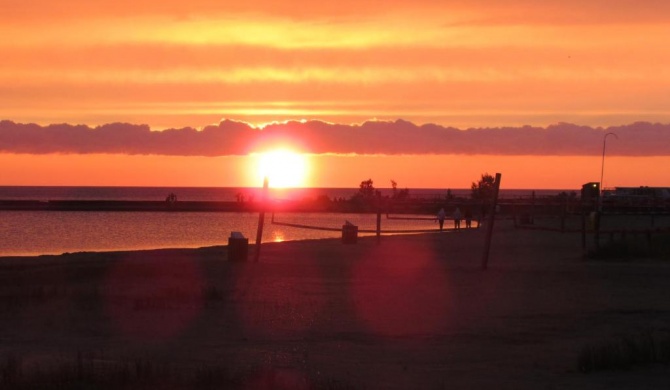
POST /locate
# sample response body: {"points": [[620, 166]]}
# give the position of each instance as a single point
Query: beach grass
{"points": [[96, 371], [626, 351]]}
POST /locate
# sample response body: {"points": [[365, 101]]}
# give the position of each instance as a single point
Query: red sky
{"points": [[480, 63]]}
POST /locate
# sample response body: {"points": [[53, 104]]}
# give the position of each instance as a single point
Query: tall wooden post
{"points": [[583, 231], [379, 226], [261, 219], [379, 217], [564, 211], [532, 208], [653, 210], [489, 227], [596, 229]]}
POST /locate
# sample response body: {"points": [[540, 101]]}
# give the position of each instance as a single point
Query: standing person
{"points": [[468, 217], [457, 218], [441, 215]]}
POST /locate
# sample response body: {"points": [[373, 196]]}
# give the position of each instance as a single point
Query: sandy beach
{"points": [[414, 311]]}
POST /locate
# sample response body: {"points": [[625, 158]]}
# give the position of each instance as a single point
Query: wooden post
{"points": [[532, 208], [596, 230], [653, 213], [583, 231], [564, 211], [261, 220], [379, 217], [489, 227], [379, 226]]}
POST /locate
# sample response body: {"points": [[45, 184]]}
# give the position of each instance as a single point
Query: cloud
{"points": [[318, 137]]}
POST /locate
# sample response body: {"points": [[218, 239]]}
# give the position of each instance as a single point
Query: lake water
{"points": [[56, 232], [44, 232]]}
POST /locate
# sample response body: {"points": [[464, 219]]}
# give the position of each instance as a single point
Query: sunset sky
{"points": [[175, 64]]}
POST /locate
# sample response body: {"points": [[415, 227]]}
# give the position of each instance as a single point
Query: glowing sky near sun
{"points": [[173, 63]]}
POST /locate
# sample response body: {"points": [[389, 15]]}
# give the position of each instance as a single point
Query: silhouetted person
{"points": [[468, 217], [441, 215], [457, 218]]}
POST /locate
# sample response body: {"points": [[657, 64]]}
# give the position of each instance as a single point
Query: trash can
{"points": [[238, 247], [349, 233]]}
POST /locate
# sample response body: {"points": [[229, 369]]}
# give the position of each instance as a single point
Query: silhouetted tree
{"points": [[366, 197], [323, 202], [565, 195], [367, 189], [483, 189], [399, 194]]}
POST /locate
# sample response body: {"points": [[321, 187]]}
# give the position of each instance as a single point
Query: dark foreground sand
{"points": [[411, 312]]}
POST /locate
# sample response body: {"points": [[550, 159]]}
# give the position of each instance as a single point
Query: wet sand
{"points": [[412, 311]]}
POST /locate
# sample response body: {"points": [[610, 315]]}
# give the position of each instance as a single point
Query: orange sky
{"points": [[478, 63], [430, 171]]}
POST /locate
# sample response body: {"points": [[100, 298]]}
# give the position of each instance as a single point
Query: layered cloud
{"points": [[318, 137]]}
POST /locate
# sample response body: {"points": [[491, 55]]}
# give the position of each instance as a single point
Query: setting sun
{"points": [[283, 168]]}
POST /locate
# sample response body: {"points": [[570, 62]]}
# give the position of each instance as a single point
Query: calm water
{"points": [[35, 232], [40, 232]]}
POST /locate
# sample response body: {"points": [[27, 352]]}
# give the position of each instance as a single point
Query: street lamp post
{"points": [[602, 169]]}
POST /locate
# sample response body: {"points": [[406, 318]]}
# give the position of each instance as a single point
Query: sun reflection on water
{"points": [[278, 237]]}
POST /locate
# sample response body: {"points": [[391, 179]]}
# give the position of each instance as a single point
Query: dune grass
{"points": [[625, 352], [91, 371]]}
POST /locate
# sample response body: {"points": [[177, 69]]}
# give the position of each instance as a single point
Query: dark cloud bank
{"points": [[374, 137]]}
